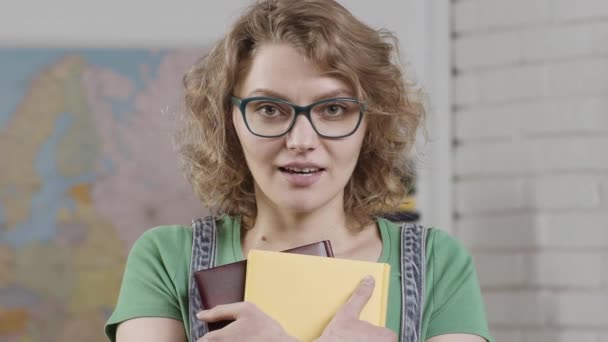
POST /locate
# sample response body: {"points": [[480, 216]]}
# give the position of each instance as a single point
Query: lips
{"points": [[303, 171], [301, 175], [301, 167]]}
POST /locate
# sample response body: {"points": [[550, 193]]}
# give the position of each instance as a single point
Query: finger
{"points": [[211, 336], [223, 312], [359, 298]]}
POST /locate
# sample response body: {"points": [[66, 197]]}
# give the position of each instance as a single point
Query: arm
{"points": [[456, 338], [150, 290], [454, 304], [151, 329]]}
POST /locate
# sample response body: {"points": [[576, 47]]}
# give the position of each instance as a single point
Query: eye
{"points": [[268, 110], [334, 109]]}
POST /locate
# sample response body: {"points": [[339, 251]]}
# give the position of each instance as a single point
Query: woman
{"points": [[281, 179]]}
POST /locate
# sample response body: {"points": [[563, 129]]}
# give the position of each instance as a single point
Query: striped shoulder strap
{"points": [[413, 262], [204, 240]]}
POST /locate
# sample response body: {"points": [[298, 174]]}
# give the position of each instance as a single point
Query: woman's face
{"points": [[299, 171]]}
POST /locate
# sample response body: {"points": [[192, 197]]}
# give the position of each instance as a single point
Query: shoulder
{"points": [[155, 279], [165, 236], [451, 274], [169, 232], [444, 251], [449, 264], [453, 296], [162, 242], [443, 242], [435, 237]]}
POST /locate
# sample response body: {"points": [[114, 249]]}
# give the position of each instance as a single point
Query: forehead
{"points": [[283, 70]]}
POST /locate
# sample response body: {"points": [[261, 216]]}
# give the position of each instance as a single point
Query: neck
{"points": [[279, 229]]}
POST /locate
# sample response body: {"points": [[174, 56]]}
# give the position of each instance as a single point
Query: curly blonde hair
{"points": [[344, 47]]}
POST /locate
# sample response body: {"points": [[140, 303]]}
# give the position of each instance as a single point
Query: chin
{"points": [[301, 202], [294, 205]]}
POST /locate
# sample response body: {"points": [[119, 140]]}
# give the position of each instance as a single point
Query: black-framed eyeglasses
{"points": [[270, 117]]}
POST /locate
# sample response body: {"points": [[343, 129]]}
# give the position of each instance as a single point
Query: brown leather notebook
{"points": [[225, 284]]}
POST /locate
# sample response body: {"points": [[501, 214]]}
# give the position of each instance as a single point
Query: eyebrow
{"points": [[328, 95]]}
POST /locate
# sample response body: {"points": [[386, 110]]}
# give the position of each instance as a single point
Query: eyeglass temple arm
{"points": [[235, 100]]}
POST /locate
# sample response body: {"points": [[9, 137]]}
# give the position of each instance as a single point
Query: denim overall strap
{"points": [[413, 262], [204, 240]]}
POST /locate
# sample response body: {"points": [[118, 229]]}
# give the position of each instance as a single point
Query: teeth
{"points": [[303, 170]]}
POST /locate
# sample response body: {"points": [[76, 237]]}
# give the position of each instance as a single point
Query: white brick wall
{"points": [[557, 42], [507, 84], [571, 192], [496, 232], [546, 269], [600, 37], [530, 96], [560, 336], [591, 226], [580, 10], [585, 76], [515, 308], [489, 196], [499, 49]]}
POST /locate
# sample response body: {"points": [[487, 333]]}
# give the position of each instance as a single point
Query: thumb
{"points": [[353, 306]]}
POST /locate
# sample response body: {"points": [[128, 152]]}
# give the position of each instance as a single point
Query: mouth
{"points": [[305, 171]]}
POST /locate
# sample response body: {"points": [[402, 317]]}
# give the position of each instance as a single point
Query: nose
{"points": [[302, 136]]}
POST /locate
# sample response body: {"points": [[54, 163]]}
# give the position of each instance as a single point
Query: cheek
{"points": [[356, 144], [238, 125], [246, 139], [354, 152], [259, 152], [345, 154]]}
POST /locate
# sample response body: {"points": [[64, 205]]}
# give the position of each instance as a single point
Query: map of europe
{"points": [[87, 164]]}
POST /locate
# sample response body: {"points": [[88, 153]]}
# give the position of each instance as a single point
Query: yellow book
{"points": [[303, 292]]}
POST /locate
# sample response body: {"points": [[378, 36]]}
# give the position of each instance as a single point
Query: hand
{"points": [[346, 325], [250, 324]]}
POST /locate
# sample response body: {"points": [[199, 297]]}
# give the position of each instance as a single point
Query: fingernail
{"points": [[369, 280], [201, 314]]}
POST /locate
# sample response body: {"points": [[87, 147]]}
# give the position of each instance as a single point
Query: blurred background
{"points": [[515, 165]]}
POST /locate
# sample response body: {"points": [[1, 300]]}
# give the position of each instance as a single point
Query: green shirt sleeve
{"points": [[454, 303], [149, 287]]}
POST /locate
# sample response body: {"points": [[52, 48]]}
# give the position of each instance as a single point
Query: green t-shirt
{"points": [[155, 282]]}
